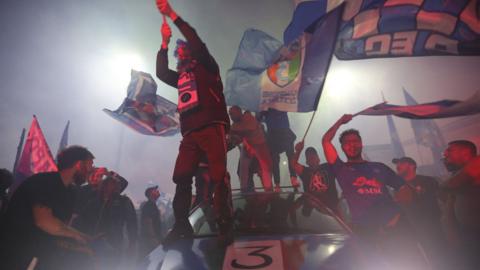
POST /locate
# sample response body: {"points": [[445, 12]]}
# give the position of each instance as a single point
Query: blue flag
{"points": [[365, 29], [266, 74], [396, 28], [144, 111]]}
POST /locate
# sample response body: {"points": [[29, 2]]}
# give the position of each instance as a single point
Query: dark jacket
{"points": [[212, 107]]}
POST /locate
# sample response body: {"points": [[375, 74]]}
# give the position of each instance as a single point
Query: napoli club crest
{"points": [[283, 71]]}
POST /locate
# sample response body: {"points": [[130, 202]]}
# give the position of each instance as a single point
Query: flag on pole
{"points": [[432, 110], [19, 150], [394, 138], [367, 29], [36, 156], [427, 133], [64, 140], [144, 111], [266, 74], [395, 28]]}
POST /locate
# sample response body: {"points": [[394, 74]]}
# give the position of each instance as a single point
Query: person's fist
{"points": [[299, 146], [346, 118], [166, 31], [164, 7]]}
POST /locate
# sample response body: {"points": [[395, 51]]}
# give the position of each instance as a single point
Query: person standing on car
{"points": [[204, 123]]}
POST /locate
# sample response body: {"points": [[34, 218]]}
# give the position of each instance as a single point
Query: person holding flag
{"points": [[203, 121]]}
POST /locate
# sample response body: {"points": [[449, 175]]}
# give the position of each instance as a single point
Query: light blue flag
{"points": [[266, 74], [144, 111], [293, 80]]}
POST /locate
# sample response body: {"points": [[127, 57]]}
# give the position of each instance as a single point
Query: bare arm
{"points": [[45, 220], [330, 152], [195, 43]]}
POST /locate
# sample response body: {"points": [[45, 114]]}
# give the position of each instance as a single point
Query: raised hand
{"points": [[166, 30], [345, 118], [164, 7], [299, 146]]}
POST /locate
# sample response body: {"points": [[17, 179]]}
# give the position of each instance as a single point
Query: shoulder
{"points": [[379, 166], [41, 181]]}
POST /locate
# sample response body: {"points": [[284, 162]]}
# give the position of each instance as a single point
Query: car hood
{"points": [[325, 251]]}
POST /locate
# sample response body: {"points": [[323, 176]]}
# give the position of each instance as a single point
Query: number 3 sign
{"points": [[265, 255]]}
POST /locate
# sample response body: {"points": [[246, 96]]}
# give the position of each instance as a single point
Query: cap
{"points": [[404, 159], [147, 191]]}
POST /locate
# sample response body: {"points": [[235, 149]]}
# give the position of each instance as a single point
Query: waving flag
{"points": [[433, 110], [367, 29], [395, 28], [36, 156], [266, 74], [144, 111]]}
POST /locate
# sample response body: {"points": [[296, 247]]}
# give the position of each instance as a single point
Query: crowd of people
{"points": [[54, 218]]}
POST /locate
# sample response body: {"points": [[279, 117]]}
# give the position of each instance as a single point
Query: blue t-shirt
{"points": [[364, 187]]}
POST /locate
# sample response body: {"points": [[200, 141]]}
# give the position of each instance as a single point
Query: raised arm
{"points": [[330, 152], [294, 162], [166, 75], [199, 50]]}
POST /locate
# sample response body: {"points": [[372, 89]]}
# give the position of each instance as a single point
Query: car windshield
{"points": [[270, 213]]}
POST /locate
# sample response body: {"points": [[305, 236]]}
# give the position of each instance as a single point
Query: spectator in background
{"points": [[6, 180], [108, 215], [254, 144], [36, 219], [419, 200], [150, 223], [462, 160], [317, 179], [88, 192], [280, 139]]}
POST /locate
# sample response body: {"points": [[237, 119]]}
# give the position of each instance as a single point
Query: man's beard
{"points": [[451, 167], [79, 178], [186, 65]]}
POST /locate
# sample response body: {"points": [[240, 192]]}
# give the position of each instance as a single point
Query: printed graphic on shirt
{"points": [[187, 92], [367, 186], [318, 182]]}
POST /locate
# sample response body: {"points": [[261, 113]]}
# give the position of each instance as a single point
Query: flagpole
{"points": [[19, 150], [309, 125]]}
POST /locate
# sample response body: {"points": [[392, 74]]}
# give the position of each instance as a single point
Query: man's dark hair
{"points": [[70, 155], [466, 144], [348, 132], [310, 150]]}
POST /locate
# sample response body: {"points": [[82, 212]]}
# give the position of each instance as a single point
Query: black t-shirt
{"points": [[20, 233], [320, 181], [150, 210], [424, 204]]}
